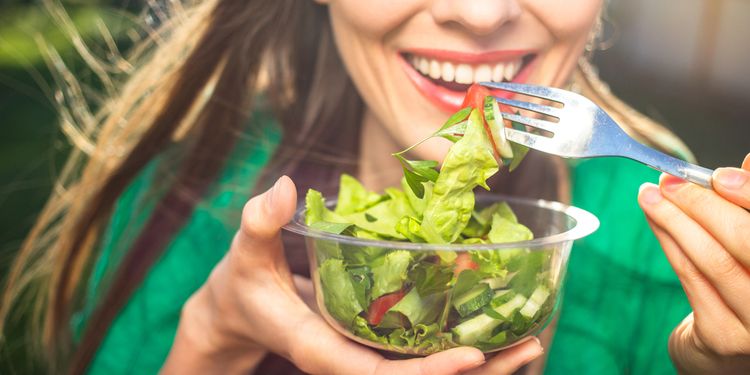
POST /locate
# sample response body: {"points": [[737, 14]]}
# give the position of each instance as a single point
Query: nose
{"points": [[480, 17]]}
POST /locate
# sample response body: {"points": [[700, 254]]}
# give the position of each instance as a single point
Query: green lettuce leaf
{"points": [[363, 330], [466, 280], [338, 292], [419, 309], [519, 150], [358, 256], [431, 278], [326, 249], [410, 228], [325, 226], [429, 339], [469, 162], [532, 269], [353, 197], [417, 204], [383, 218], [389, 272], [362, 284], [316, 210]]}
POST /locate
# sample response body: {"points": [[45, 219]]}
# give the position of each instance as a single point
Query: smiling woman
{"points": [[137, 265], [415, 61]]}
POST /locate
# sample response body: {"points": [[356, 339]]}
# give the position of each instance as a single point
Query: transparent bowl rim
{"points": [[585, 224]]}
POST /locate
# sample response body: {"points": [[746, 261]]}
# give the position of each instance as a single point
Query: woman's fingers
{"points": [[734, 183], [706, 302], [727, 222], [730, 279], [449, 362], [258, 240], [713, 330], [510, 360], [317, 349]]}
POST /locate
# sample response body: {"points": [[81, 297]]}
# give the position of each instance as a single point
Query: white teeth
{"points": [[449, 72], [464, 74], [498, 73], [424, 66], [483, 73], [511, 70], [435, 69]]}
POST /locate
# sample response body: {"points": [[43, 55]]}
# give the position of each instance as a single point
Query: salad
{"points": [[422, 302]]}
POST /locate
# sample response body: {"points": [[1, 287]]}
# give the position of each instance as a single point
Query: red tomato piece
{"points": [[381, 305], [464, 262], [475, 97]]}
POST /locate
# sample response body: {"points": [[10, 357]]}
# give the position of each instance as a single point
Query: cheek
{"points": [[566, 20], [371, 18]]}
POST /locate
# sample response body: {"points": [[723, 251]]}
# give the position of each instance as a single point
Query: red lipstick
{"points": [[450, 100]]}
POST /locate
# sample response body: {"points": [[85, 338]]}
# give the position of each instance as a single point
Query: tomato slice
{"points": [[475, 96], [381, 305], [464, 262]]}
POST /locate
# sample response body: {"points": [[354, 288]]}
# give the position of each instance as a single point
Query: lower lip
{"points": [[448, 100]]}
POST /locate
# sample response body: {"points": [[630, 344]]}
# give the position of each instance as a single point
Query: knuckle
{"points": [[693, 196], [724, 265], [742, 232], [687, 272], [726, 346]]}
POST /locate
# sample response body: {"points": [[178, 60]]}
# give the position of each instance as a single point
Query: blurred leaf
{"points": [[20, 25]]}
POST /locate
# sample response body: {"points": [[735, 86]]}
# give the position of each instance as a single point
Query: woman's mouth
{"points": [[444, 76]]}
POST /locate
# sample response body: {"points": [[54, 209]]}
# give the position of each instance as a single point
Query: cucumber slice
{"points": [[535, 302], [500, 282], [473, 300], [502, 296], [481, 326], [507, 309], [475, 329], [495, 122]]}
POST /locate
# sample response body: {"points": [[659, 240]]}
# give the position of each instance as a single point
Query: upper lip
{"points": [[468, 57]]}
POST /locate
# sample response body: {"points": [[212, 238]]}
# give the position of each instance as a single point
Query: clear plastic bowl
{"points": [[555, 227]]}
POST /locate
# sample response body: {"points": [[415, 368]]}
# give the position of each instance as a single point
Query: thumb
{"points": [[262, 219]]}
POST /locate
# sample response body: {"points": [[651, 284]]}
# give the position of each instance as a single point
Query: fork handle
{"points": [[669, 164]]}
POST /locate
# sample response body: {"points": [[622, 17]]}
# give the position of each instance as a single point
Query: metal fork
{"points": [[585, 131]]}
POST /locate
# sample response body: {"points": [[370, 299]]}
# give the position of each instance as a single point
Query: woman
{"points": [[337, 86]]}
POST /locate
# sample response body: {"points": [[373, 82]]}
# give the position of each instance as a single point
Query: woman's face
{"points": [[412, 60]]}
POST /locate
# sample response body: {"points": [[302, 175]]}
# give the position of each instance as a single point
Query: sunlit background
{"points": [[685, 63]]}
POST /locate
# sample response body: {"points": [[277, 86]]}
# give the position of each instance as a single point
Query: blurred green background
{"points": [[683, 62]]}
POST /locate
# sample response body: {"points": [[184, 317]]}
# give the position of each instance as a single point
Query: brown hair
{"points": [[193, 96], [193, 92]]}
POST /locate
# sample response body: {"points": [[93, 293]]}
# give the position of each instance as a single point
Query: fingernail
{"points": [[649, 193], [541, 348], [730, 178], [671, 183]]}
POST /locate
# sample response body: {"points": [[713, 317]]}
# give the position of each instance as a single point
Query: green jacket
{"points": [[620, 303]]}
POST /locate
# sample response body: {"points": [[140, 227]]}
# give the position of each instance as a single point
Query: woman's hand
{"points": [[250, 305], [706, 237]]}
